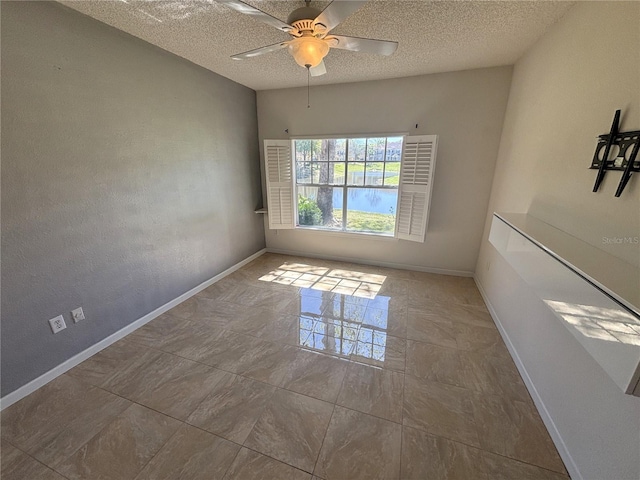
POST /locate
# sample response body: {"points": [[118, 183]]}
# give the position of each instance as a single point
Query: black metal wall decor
{"points": [[626, 159]]}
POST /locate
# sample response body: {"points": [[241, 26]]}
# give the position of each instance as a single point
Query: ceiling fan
{"points": [[309, 29]]}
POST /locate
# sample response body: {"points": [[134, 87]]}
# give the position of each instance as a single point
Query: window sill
{"points": [[340, 233]]}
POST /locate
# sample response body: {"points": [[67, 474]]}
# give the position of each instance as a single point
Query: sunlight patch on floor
{"points": [[346, 282]]}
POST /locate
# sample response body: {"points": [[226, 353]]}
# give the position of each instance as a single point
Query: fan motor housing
{"points": [[303, 13]]}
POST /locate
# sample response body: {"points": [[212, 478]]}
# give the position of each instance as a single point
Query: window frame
{"points": [[345, 186], [417, 169]]}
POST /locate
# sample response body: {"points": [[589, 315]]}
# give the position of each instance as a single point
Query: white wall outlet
{"points": [[57, 324], [77, 315]]}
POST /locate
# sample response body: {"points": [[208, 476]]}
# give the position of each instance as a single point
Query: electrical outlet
{"points": [[77, 315], [57, 324]]}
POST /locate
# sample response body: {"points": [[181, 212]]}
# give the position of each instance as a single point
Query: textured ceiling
{"points": [[434, 36]]}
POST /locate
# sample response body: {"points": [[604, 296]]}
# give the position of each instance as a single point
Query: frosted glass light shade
{"points": [[308, 51]]}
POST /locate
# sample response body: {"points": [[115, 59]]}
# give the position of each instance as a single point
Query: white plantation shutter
{"points": [[279, 176], [416, 180]]}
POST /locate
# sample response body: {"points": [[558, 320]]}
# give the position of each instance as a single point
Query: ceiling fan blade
{"points": [[337, 11], [320, 69], [259, 15], [260, 51], [366, 45]]}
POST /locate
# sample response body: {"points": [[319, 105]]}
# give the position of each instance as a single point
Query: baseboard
{"points": [[401, 266], [570, 464], [67, 365]]}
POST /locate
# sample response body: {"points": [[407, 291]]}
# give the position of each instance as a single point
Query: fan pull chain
{"points": [[308, 85]]}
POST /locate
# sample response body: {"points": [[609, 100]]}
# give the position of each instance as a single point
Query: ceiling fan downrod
{"points": [[308, 86]]}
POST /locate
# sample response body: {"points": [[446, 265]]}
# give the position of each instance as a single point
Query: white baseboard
{"points": [[401, 266], [67, 365], [570, 464]]}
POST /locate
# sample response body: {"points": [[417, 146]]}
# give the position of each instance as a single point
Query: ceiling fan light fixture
{"points": [[308, 50]]}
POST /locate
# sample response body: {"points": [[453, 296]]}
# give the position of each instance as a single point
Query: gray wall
{"points": [[465, 109], [564, 93], [129, 176]]}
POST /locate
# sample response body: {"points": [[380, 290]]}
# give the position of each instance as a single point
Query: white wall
{"points": [[564, 93], [465, 109]]}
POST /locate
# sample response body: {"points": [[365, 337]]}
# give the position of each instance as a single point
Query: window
{"points": [[348, 184], [379, 185]]}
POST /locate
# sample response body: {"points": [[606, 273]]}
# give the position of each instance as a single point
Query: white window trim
{"points": [[417, 186], [347, 136], [346, 234]]}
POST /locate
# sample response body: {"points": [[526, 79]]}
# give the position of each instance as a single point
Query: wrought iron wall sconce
{"points": [[627, 143]]}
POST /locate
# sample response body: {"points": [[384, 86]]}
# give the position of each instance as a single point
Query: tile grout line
{"points": [[483, 451], [423, 430], [274, 459], [48, 467], [324, 437], [224, 475], [98, 432], [161, 447]]}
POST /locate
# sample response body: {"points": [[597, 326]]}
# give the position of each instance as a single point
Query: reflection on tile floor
{"points": [[293, 368]]}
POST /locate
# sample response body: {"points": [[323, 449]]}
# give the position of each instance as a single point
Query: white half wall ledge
{"points": [[67, 365], [597, 308], [375, 263]]}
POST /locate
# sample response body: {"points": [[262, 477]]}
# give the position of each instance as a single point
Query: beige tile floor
{"points": [[293, 368]]}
